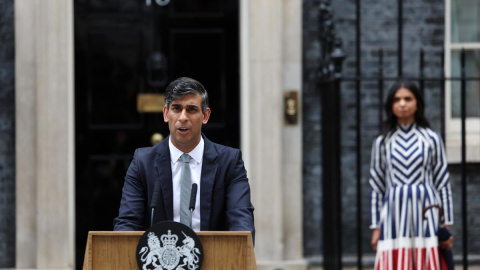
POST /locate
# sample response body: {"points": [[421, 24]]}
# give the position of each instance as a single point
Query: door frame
{"points": [[45, 158]]}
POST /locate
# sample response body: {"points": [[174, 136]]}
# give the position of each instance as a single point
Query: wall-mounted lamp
{"points": [[291, 107]]}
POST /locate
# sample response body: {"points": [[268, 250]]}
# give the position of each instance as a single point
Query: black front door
{"points": [[124, 49]]}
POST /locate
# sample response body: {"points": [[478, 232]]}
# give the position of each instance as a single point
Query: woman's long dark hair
{"points": [[391, 122]]}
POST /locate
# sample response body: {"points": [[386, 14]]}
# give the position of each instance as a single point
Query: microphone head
{"points": [[154, 201], [193, 197], [156, 191]]}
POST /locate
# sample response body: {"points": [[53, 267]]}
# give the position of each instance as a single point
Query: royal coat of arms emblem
{"points": [[159, 248]]}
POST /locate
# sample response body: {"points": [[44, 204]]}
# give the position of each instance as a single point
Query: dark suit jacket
{"points": [[224, 190]]}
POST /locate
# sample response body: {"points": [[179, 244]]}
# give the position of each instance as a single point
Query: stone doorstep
{"points": [[282, 265]]}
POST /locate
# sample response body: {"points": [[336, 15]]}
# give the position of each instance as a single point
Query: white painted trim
{"points": [[245, 130], [466, 46], [71, 136], [44, 112]]}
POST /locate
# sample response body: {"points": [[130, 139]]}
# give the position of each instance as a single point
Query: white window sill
{"points": [[454, 148]]}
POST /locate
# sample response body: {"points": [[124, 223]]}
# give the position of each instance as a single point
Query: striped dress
{"points": [[409, 173]]}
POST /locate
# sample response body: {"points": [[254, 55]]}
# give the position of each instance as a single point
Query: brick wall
{"points": [[423, 27], [7, 136], [312, 170], [473, 210]]}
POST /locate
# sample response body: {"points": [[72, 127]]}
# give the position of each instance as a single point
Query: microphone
{"points": [[193, 197], [154, 202]]}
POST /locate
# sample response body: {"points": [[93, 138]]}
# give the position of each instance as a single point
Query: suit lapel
{"points": [[209, 170], [164, 174]]}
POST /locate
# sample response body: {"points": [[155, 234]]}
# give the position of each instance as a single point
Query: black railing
{"points": [[464, 159], [330, 74], [329, 83]]}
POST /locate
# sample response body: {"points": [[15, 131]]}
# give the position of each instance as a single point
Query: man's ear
{"points": [[165, 113], [206, 116]]}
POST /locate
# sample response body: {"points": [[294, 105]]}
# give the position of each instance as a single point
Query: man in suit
{"points": [[223, 196]]}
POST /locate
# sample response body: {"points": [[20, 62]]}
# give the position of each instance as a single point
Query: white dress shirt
{"points": [[196, 172]]}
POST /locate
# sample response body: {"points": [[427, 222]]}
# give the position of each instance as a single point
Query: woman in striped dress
{"points": [[408, 174]]}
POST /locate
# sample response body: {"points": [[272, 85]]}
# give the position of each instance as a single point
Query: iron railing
{"points": [[329, 83]]}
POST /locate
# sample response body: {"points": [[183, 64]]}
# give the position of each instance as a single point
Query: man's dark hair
{"points": [[420, 119], [184, 86]]}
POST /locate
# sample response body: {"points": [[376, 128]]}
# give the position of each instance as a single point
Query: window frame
{"points": [[453, 125]]}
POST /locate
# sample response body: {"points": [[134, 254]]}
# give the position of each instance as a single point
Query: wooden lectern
{"points": [[117, 250]]}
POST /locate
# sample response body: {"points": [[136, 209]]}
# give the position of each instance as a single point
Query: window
{"points": [[462, 31]]}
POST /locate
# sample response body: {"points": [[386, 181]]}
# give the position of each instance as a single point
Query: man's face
{"points": [[185, 119]]}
